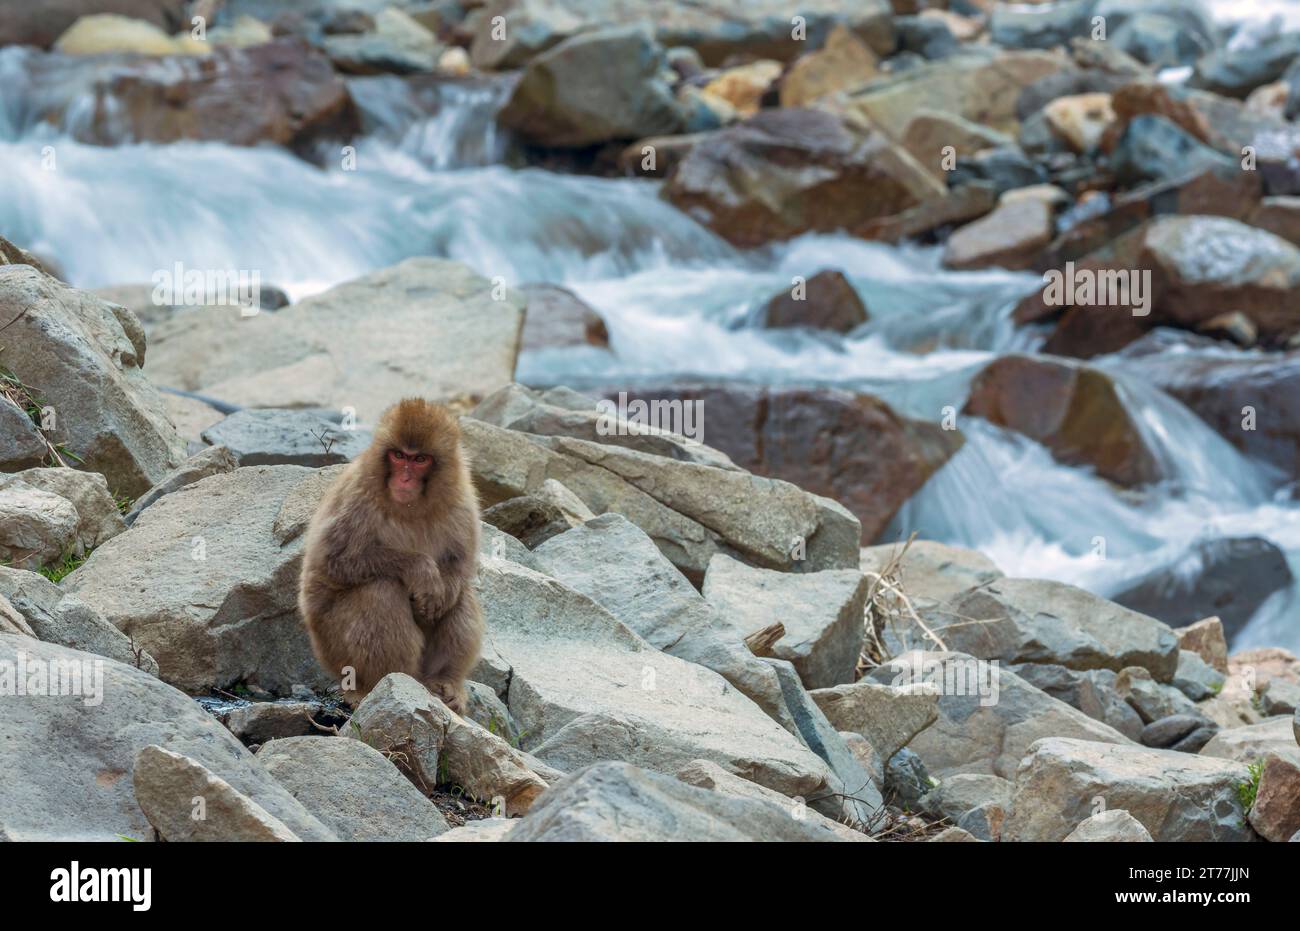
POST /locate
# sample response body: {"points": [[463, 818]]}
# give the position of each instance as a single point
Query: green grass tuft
{"points": [[56, 572], [1248, 790]]}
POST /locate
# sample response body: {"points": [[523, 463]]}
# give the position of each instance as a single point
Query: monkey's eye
{"points": [[397, 454], [421, 459]]}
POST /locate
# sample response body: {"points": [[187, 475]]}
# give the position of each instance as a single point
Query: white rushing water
{"points": [[676, 299]]}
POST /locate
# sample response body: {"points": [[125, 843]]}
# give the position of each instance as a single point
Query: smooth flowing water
{"points": [[676, 299]]}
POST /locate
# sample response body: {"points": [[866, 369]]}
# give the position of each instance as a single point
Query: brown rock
{"points": [[556, 316], [982, 90], [1280, 216], [1234, 326], [1084, 332], [827, 301], [957, 205], [744, 86], [843, 63], [40, 24], [11, 254], [1149, 97], [1080, 120], [1199, 267], [1276, 812], [1013, 236], [1205, 639], [931, 132], [1225, 392], [283, 92], [1076, 412], [791, 171]]}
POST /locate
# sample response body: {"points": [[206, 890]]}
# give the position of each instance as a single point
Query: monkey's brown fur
{"points": [[388, 587]]}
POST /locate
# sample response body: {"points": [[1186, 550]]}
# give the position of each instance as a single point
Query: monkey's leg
{"points": [[375, 634], [451, 650]]}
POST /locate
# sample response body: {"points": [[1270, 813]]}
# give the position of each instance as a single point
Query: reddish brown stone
{"points": [[1276, 812], [791, 171], [1220, 389], [557, 317], [283, 92], [1084, 332], [1152, 98], [829, 303], [1074, 411]]}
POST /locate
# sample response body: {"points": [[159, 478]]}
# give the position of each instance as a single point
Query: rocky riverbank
{"points": [[761, 632]]}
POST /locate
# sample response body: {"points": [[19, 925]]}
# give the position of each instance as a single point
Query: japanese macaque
{"points": [[387, 576]]}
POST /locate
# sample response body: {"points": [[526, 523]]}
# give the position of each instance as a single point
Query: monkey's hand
{"points": [[427, 588]]}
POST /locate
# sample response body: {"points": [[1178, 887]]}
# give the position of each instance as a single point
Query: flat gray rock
{"points": [[612, 561], [286, 437], [822, 613], [584, 687], [1040, 621], [1177, 797], [72, 779], [988, 716], [352, 788], [620, 802], [207, 579]]}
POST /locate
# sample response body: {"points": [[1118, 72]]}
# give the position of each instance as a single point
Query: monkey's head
{"points": [[417, 451]]}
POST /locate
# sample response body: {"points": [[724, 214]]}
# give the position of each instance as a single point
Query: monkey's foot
{"points": [[451, 694]]}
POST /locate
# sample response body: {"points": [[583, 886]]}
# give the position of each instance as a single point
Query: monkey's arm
{"points": [[353, 557]]}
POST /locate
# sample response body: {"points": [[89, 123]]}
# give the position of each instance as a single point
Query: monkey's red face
{"points": [[407, 470]]}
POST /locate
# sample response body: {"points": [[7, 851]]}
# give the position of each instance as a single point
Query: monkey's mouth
{"points": [[405, 490]]}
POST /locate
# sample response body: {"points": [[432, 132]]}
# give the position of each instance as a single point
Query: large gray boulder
{"points": [[83, 358], [57, 617], [988, 716], [186, 801], [98, 516], [425, 326], [1114, 826], [70, 774], [611, 561], [206, 580], [690, 510], [286, 437], [211, 461], [1176, 796], [352, 788], [431, 744], [887, 716], [1040, 621], [556, 104], [564, 412], [1254, 742], [21, 445], [620, 802], [584, 687], [822, 613], [37, 528]]}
